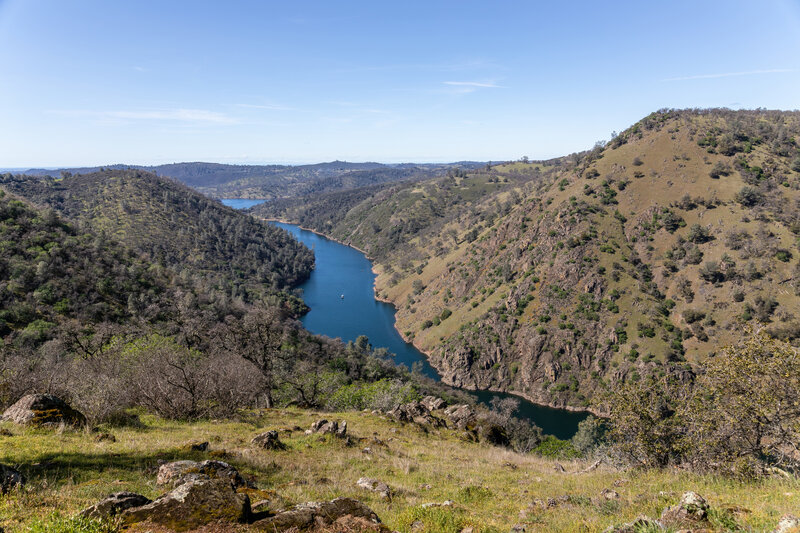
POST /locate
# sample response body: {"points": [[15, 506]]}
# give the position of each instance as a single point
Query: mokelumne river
{"points": [[341, 295]]}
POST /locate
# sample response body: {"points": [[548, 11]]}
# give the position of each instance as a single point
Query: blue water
{"points": [[241, 203], [340, 293]]}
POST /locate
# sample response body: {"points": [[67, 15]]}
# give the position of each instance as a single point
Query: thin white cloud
{"points": [[188, 116], [269, 107], [730, 74], [476, 84]]}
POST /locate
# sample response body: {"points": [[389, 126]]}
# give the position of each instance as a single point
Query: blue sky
{"points": [[90, 82]]}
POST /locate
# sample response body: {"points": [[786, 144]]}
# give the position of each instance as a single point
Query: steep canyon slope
{"points": [[559, 279]]}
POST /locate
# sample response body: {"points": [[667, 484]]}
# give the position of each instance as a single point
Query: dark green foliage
{"points": [[50, 273], [698, 234], [749, 197], [176, 227]]}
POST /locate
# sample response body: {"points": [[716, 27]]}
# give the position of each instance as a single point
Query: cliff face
{"points": [[557, 280]]}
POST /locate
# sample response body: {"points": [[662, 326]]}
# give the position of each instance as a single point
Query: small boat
{"points": [[342, 296]]}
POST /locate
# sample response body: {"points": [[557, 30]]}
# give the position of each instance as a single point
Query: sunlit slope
{"points": [[557, 280]]}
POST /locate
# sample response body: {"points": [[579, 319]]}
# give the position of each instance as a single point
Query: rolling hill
{"points": [[559, 279], [273, 181], [175, 226]]}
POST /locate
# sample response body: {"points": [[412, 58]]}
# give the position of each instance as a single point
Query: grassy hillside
{"points": [[175, 226], [559, 279], [492, 489]]}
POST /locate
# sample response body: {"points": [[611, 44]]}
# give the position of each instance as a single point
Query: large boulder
{"points": [[178, 472], [10, 479], [690, 511], [317, 514], [193, 504], [43, 410], [114, 505]]}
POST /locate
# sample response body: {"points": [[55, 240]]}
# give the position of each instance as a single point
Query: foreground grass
{"points": [[492, 488]]}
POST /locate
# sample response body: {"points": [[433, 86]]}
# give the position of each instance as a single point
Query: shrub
{"points": [[589, 436], [555, 448], [748, 196], [698, 234], [745, 409]]}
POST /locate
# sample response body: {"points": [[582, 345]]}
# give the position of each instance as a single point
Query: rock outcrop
{"points": [[691, 510], [325, 427], [193, 504], [114, 505], [178, 472], [269, 440], [319, 514], [43, 410]]}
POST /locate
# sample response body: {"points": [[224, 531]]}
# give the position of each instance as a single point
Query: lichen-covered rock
{"points": [[375, 485], [787, 524], [178, 472], [269, 440], [689, 511], [317, 514], [114, 505], [193, 504], [43, 410], [10, 479]]}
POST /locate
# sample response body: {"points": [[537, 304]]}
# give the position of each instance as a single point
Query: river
{"points": [[341, 295]]}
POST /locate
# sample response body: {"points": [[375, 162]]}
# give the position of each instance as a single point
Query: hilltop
{"points": [[560, 279], [175, 226]]}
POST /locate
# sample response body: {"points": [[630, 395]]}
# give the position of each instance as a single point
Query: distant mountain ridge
{"points": [[273, 181]]}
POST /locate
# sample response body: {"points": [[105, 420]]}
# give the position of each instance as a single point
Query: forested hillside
{"points": [[559, 280], [176, 227]]}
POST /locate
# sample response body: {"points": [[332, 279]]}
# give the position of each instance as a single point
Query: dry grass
{"points": [[492, 488]]}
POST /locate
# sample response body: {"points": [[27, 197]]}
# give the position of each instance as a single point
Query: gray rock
{"points": [[193, 504], [375, 485], [323, 426], [432, 403], [691, 509], [609, 494], [269, 440], [415, 412], [311, 514], [43, 410], [787, 523], [179, 472], [114, 504], [462, 416], [10, 479]]}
